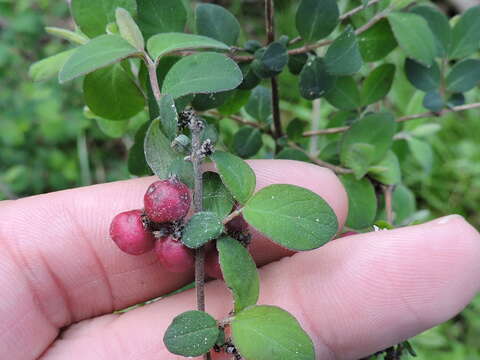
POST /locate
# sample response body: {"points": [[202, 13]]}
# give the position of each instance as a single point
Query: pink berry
{"points": [[212, 265], [174, 256], [167, 201], [237, 224], [128, 232], [345, 234]]}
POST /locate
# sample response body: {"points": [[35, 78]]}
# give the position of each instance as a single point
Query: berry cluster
{"points": [[159, 227]]}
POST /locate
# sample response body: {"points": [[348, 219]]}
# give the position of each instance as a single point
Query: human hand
{"points": [[62, 277]]}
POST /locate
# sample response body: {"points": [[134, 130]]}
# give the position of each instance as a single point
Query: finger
{"points": [[354, 296], [59, 265]]}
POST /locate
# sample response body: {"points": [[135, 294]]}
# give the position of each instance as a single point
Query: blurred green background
{"points": [[47, 144]]}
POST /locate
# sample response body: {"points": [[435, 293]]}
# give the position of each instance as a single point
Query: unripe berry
{"points": [[167, 201], [212, 265], [174, 256], [129, 233]]}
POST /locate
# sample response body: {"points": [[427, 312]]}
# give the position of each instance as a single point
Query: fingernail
{"points": [[447, 219]]}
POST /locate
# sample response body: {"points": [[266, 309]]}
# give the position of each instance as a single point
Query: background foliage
{"points": [[49, 143]]}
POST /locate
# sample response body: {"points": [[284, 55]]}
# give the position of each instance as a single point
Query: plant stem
{"points": [[399, 120], [232, 216], [196, 126], [152, 74], [316, 108], [388, 193], [270, 29]]}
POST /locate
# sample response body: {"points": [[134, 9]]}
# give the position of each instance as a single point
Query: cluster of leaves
{"points": [[135, 55]]}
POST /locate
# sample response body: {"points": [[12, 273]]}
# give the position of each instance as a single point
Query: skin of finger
{"points": [[354, 296], [62, 266]]}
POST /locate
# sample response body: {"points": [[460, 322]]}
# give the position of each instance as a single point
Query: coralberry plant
{"points": [[213, 101]]}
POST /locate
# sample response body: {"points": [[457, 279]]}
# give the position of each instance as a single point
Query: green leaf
{"points": [[113, 129], [259, 105], [292, 154], [315, 19], [111, 93], [98, 53], [295, 129], [433, 101], [49, 67], [438, 23], [315, 81], [358, 157], [387, 171], [378, 84], [465, 34], [168, 116], [217, 22], [250, 79], [296, 63], [377, 42], [345, 94], [274, 58], [422, 152], [204, 102], [464, 75], [162, 44], [268, 332], [129, 29], [408, 28], [92, 17], [292, 216], [239, 272], [234, 103], [137, 165], [68, 35], [343, 56], [404, 204], [193, 75], [216, 197], [158, 152], [201, 228], [161, 16], [422, 77], [362, 202], [192, 333], [236, 174], [374, 129], [183, 170], [247, 141]]}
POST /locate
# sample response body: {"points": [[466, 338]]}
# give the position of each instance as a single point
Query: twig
{"points": [[232, 216], [270, 26], [152, 74], [358, 9], [399, 120], [387, 193], [196, 127], [237, 119], [334, 168]]}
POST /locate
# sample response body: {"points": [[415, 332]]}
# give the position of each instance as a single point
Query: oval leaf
{"points": [[129, 29], [422, 77], [465, 34], [268, 332], [291, 216], [161, 16], [362, 202], [216, 197], [377, 42], [408, 28], [49, 67], [387, 171], [111, 93], [259, 105], [158, 152], [247, 141], [378, 84], [217, 22], [162, 44], [73, 37], [345, 94], [235, 173], [315, 19], [193, 75], [92, 17], [201, 228], [96, 54], [239, 272], [192, 333], [315, 81], [464, 75], [343, 56]]}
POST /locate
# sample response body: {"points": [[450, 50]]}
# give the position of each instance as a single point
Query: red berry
{"points": [[212, 265], [167, 201], [237, 224], [345, 234], [174, 256], [128, 232]]}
